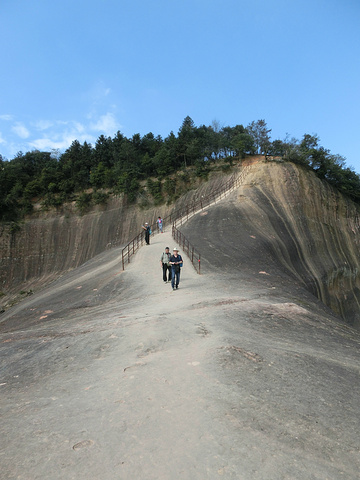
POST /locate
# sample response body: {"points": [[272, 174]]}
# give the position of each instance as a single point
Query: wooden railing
{"points": [[187, 248], [183, 214]]}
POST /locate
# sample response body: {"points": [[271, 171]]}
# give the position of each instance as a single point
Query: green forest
{"points": [[88, 174]]}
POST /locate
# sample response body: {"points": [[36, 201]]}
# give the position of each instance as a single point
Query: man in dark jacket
{"points": [[146, 227], [176, 263]]}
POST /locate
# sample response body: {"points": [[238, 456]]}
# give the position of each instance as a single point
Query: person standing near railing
{"points": [[159, 222], [176, 263], [147, 229], [165, 265]]}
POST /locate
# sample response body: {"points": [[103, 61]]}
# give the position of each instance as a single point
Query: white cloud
{"points": [[47, 135], [20, 130], [79, 127], [47, 144], [43, 124], [61, 136], [106, 92], [6, 117], [107, 124], [98, 92]]}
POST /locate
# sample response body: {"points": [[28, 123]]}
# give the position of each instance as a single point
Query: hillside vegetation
{"points": [[88, 175]]}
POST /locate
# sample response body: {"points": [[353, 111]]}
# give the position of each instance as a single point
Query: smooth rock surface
{"points": [[238, 374]]}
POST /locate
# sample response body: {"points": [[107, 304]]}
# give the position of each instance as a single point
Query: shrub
{"points": [[51, 200], [14, 227], [169, 186], [100, 198], [83, 202], [155, 189]]}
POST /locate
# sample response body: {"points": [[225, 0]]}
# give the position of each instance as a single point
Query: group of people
{"points": [[170, 264]]}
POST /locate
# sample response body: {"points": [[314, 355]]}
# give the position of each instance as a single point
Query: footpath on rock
{"points": [[112, 375]]}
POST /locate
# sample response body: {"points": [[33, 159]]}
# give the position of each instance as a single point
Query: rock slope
{"points": [[240, 374], [285, 222], [282, 216]]}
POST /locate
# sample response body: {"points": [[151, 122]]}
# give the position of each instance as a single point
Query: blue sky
{"points": [[78, 69]]}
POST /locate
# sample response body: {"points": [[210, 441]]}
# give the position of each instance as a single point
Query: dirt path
{"points": [[191, 384]]}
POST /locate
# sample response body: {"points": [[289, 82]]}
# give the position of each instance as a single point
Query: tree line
{"points": [[119, 165]]}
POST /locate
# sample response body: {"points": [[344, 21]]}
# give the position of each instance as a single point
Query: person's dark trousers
{"points": [[147, 238], [175, 276], [165, 269]]}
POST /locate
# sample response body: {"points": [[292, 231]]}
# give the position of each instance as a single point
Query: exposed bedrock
{"points": [[283, 221], [285, 226], [51, 244]]}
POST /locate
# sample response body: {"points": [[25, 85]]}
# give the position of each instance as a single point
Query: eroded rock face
{"points": [[285, 221], [282, 224], [50, 245], [320, 231]]}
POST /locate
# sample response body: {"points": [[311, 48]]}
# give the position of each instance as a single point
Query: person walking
{"points": [[176, 263], [166, 267], [159, 222], [146, 227]]}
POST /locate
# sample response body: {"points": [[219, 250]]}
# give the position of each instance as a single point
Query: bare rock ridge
{"points": [[283, 220]]}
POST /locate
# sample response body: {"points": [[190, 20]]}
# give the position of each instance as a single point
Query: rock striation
{"points": [[282, 221], [285, 221], [50, 245]]}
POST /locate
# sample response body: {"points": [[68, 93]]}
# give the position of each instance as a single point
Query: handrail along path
{"points": [[181, 216]]}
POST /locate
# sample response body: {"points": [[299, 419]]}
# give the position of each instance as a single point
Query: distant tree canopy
{"points": [[120, 164]]}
